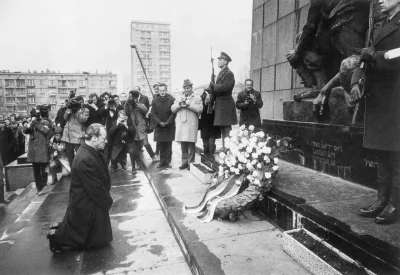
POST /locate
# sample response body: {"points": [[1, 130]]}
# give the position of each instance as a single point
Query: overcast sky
{"points": [[72, 35]]}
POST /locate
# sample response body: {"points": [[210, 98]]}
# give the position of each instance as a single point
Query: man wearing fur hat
{"points": [[187, 109], [225, 109]]}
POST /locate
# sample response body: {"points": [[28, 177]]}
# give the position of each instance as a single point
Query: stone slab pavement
{"points": [[251, 245], [143, 241]]}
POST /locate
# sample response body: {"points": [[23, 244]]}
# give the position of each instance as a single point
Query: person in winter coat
{"points": [[58, 155], [225, 111], [6, 138], [94, 106], [249, 102], [208, 132], [164, 121], [119, 138], [382, 113], [40, 132], [187, 110], [74, 129], [86, 223], [136, 113]]}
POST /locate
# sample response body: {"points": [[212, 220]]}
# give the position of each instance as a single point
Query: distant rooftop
{"points": [[150, 22]]}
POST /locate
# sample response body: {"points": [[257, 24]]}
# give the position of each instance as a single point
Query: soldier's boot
{"points": [[377, 207], [391, 213]]}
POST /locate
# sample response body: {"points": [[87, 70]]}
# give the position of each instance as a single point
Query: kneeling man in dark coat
{"points": [[87, 222]]}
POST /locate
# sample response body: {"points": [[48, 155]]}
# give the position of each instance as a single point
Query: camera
{"points": [[35, 113], [90, 101], [248, 98]]}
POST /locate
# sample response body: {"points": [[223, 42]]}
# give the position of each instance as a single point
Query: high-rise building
{"points": [[153, 43], [22, 91]]}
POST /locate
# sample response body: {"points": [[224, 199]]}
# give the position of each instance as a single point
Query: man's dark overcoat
{"points": [[6, 138], [249, 113], [225, 110], [87, 221], [40, 133], [382, 106], [161, 112]]}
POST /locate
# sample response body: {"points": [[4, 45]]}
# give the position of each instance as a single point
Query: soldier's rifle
{"points": [[141, 64], [210, 108], [368, 43]]}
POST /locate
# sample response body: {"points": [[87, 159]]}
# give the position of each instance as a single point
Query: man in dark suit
{"points": [[249, 102], [225, 111], [382, 112], [87, 222]]}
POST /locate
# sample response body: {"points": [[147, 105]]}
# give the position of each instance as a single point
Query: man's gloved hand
{"points": [[368, 54], [355, 94]]}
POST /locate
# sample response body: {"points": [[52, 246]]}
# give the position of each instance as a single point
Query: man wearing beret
{"points": [[225, 110], [382, 112]]}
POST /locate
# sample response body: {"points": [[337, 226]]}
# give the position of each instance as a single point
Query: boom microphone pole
{"points": [[141, 64]]}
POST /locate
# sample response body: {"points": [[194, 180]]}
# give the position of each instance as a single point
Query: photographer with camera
{"points": [[136, 113], [249, 102], [95, 105], [40, 132], [119, 139], [76, 116]]}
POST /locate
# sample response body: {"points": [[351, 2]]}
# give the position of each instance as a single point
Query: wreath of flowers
{"points": [[252, 155]]}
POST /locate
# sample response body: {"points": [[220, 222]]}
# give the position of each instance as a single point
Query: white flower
{"points": [[247, 155], [232, 169], [250, 178], [275, 168], [231, 133], [232, 160], [253, 140], [245, 141], [255, 173], [226, 172], [276, 160], [278, 142], [259, 166], [260, 144], [238, 182], [267, 159], [254, 162], [249, 149], [221, 168], [245, 132], [267, 150], [222, 155], [240, 133], [226, 176], [251, 128], [257, 182], [237, 171], [268, 175], [220, 173], [249, 167], [215, 180], [227, 139], [254, 155], [243, 127], [228, 163], [261, 134]]}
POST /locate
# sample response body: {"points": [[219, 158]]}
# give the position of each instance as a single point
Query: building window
{"points": [[41, 82], [31, 100], [52, 99], [62, 83], [20, 92], [52, 83], [9, 92], [21, 100], [10, 99], [82, 83], [30, 83], [9, 83], [20, 83]]}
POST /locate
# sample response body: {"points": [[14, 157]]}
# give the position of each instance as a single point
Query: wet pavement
{"points": [[143, 241]]}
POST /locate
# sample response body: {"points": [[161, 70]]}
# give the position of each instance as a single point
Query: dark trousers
{"points": [[209, 146], [188, 152], [389, 168], [134, 150], [70, 149], [165, 148], [148, 147], [118, 154], [39, 174], [157, 149]]}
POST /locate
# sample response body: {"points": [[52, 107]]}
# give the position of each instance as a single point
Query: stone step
{"points": [[327, 206]]}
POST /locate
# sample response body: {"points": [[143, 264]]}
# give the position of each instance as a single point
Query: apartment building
{"points": [[22, 91], [154, 45]]}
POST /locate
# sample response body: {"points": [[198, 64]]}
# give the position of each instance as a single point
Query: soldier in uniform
{"points": [[225, 109], [382, 112]]}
